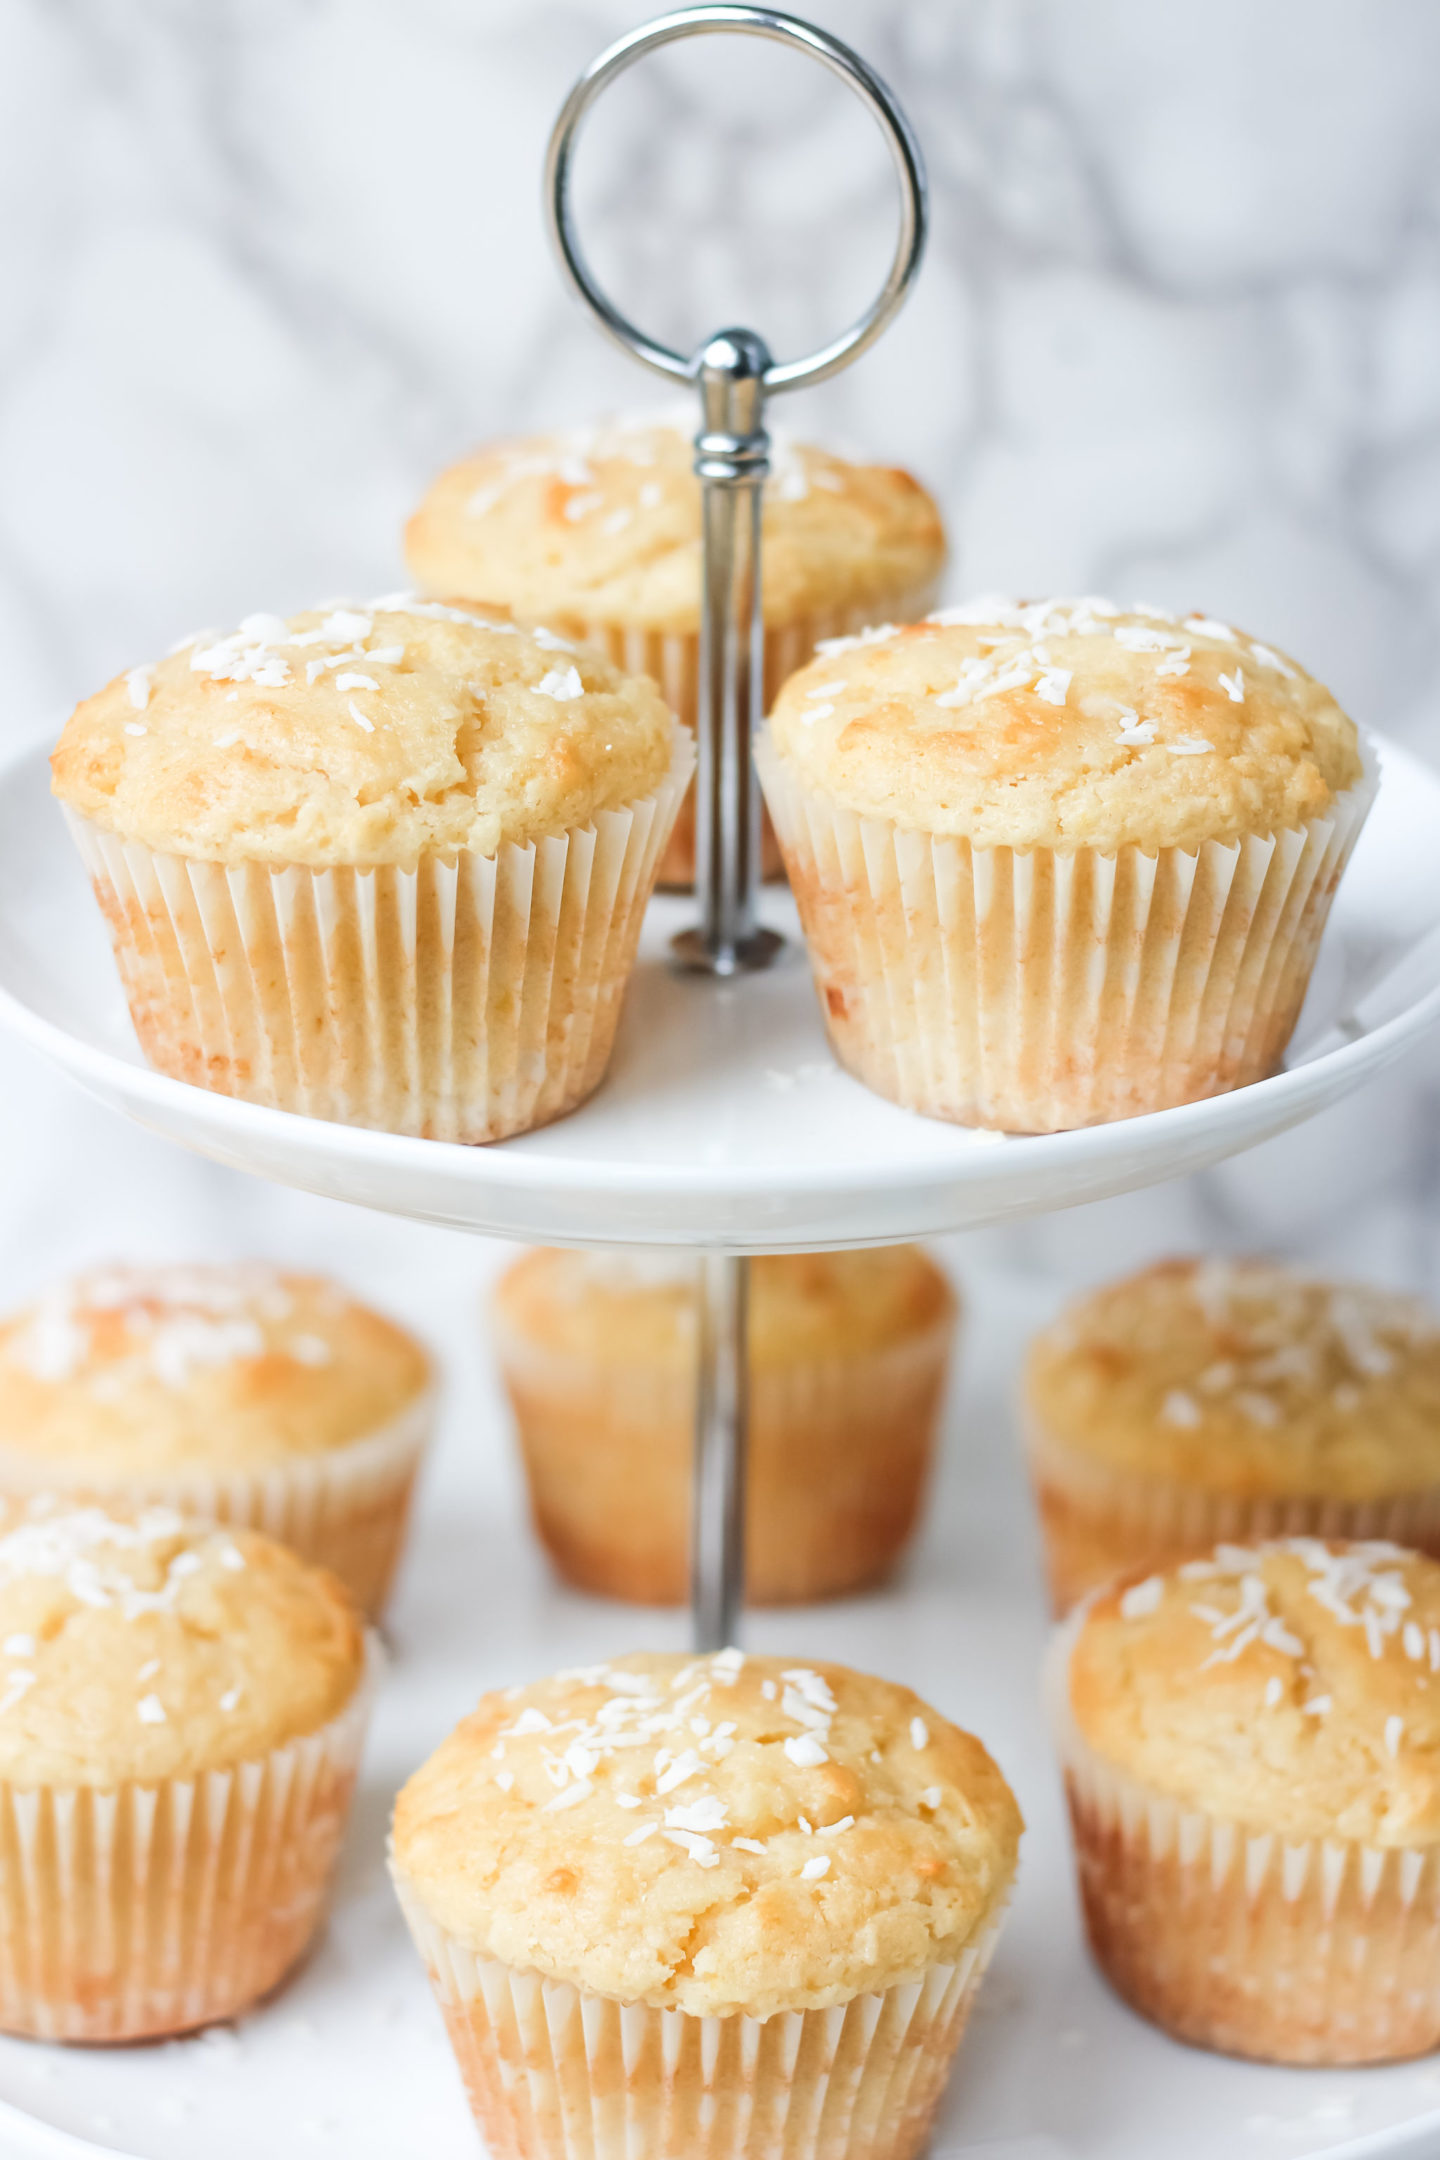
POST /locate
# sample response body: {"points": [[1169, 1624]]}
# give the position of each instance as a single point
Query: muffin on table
{"points": [[1059, 862], [1251, 1746], [597, 531], [384, 865], [849, 1354], [1237, 1399], [182, 1709], [235, 1393], [713, 1897]]}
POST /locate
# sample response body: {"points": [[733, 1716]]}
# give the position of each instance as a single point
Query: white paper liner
{"points": [[1320, 1951], [1098, 1520], [671, 658], [146, 1910], [554, 2073], [840, 1456], [1039, 991], [345, 1508], [463, 1000]]}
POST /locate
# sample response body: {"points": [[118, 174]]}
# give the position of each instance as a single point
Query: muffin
{"points": [[1060, 863], [182, 1709], [1209, 1399], [848, 1359], [728, 1906], [236, 1394], [1251, 1745], [382, 865], [597, 531]]}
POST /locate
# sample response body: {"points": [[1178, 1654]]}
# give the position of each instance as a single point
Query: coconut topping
{"points": [[175, 1322], [1018, 659], [665, 1741]]}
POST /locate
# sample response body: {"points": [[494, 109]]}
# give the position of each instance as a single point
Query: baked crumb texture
{"points": [[385, 865], [849, 1355], [597, 532], [1203, 1400], [238, 1394], [182, 1709], [1252, 1750], [720, 1899], [1059, 862]]}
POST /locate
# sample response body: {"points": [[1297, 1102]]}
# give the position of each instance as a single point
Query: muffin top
{"points": [[1068, 724], [602, 525], [126, 1371], [140, 1646], [628, 1306], [716, 1835], [360, 736], [1243, 1377], [1291, 1686]]}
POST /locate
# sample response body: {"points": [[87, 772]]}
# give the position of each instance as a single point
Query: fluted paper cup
{"points": [[144, 1910], [840, 1454], [1319, 1951], [463, 1000], [671, 658], [553, 2073], [345, 1508], [1098, 1521], [1040, 991]]}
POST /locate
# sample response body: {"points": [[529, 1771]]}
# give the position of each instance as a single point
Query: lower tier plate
{"points": [[725, 1120], [351, 2061]]}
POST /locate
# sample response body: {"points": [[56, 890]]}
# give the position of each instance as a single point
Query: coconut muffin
{"points": [[1236, 1399], [597, 531], [1060, 862], [234, 1393], [1251, 1743], [714, 1881], [182, 1709], [384, 865], [848, 1361]]}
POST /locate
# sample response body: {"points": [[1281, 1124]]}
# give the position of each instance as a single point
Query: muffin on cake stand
{"points": [[726, 1127]]}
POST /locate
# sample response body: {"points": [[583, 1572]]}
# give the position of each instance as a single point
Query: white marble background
{"points": [[267, 263]]}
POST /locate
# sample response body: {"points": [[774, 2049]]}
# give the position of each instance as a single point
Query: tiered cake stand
{"points": [[725, 1126]]}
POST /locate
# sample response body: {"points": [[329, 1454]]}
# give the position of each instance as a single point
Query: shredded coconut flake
{"points": [[1142, 1598]]}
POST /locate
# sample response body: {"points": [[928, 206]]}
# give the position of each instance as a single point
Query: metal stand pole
{"points": [[733, 373], [717, 1532], [732, 457]]}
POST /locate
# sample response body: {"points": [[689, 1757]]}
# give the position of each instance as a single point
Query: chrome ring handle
{"points": [[842, 61]]}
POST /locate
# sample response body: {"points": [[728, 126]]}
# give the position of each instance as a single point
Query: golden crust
{"points": [[602, 525], [629, 1308], [130, 1371], [135, 1646], [513, 1839], [363, 736], [1292, 1687], [1245, 1378], [1067, 724]]}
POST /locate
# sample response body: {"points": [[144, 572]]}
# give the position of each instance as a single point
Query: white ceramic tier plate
{"points": [[724, 1119], [351, 2062]]}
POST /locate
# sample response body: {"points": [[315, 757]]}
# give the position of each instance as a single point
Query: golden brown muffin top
{"points": [[714, 1835], [601, 525], [363, 735], [1068, 724], [129, 1371], [137, 1646], [1244, 1377], [1292, 1687], [635, 1307]]}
